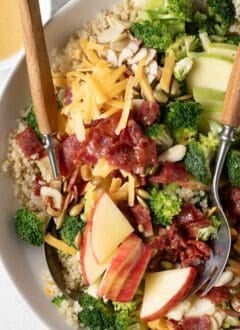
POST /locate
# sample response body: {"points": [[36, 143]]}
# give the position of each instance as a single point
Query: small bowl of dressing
{"points": [[11, 43]]}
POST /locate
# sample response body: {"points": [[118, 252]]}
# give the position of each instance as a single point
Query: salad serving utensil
{"points": [[39, 74], [221, 246]]}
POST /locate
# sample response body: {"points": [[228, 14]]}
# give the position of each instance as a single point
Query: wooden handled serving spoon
{"points": [[39, 73]]}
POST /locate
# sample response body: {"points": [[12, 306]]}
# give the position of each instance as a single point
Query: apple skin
{"points": [[126, 271], [125, 254], [129, 289], [173, 300], [91, 269]]}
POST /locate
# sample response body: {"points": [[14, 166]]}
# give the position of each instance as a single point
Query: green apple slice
{"points": [[222, 49], [203, 94], [209, 71]]}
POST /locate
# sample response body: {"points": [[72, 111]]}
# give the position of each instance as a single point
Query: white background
{"points": [[14, 313]]}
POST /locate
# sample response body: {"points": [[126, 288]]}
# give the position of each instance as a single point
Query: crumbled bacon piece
{"points": [[171, 172], [218, 295], [68, 96], [178, 241], [29, 143], [147, 113], [190, 220], [68, 154], [131, 151], [143, 217], [197, 323]]}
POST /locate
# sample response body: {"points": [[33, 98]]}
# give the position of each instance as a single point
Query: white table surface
{"points": [[14, 313]]}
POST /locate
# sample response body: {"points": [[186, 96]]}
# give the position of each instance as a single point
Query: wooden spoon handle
{"points": [[41, 85], [231, 108]]}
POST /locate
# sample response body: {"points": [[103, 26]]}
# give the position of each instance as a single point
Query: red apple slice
{"points": [[91, 269], [109, 228], [123, 276], [164, 290], [123, 257], [131, 285]]}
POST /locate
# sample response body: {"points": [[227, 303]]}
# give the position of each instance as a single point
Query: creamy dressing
{"points": [[10, 28]]}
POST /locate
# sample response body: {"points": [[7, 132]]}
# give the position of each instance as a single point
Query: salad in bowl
{"points": [[140, 92]]}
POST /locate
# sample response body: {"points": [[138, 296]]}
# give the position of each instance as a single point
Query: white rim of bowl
{"points": [[46, 12]]}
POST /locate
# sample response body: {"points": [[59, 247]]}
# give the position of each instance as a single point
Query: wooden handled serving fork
{"points": [[222, 244]]}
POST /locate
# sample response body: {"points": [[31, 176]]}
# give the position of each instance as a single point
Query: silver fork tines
{"points": [[221, 245]]}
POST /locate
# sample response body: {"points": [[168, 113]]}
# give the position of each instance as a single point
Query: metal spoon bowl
{"points": [[55, 267]]}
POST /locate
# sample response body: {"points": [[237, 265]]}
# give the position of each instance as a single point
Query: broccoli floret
{"points": [[70, 228], [159, 133], [96, 314], [164, 205], [183, 45], [57, 301], [199, 156], [31, 121], [157, 34], [181, 9], [30, 226], [233, 167], [129, 307], [182, 118], [125, 314], [182, 68], [209, 232], [230, 322], [223, 12], [232, 39]]}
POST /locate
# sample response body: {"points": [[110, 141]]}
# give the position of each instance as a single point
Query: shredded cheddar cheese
{"points": [[59, 245], [127, 106], [167, 72]]}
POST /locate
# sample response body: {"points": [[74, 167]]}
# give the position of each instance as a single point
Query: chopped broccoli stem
{"points": [[183, 45], [210, 232], [223, 11], [70, 228], [181, 9], [95, 314], [199, 156], [30, 226], [160, 134], [164, 205], [182, 68], [233, 167], [183, 119], [157, 34]]}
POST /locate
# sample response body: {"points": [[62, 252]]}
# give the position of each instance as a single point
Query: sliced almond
{"points": [[112, 58], [113, 20], [151, 54], [153, 68], [54, 194], [134, 45], [124, 55], [138, 56], [56, 184], [150, 78], [110, 34], [173, 154], [119, 45]]}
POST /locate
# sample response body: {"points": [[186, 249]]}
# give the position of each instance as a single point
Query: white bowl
{"points": [[26, 265], [46, 10]]}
